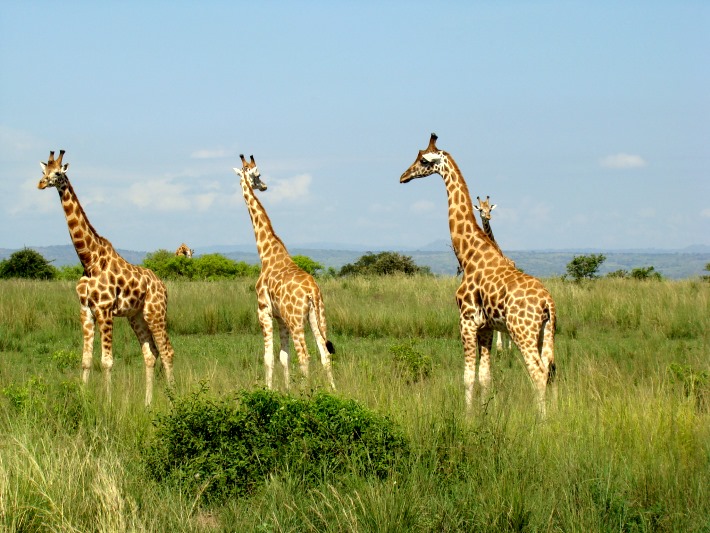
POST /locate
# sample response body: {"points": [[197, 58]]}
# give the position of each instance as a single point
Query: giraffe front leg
{"points": [[105, 324], [469, 336], [285, 339], [87, 326], [485, 343], [267, 328]]}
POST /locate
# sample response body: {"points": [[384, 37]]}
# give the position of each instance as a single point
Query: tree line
{"points": [[29, 264]]}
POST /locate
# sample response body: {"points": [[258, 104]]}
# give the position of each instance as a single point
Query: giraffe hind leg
{"points": [[284, 356], [149, 350], [325, 347]]}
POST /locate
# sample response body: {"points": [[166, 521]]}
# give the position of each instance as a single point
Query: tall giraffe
{"points": [[184, 250], [284, 291], [484, 209], [493, 295], [111, 287]]}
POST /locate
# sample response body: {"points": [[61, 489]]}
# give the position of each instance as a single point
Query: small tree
{"points": [[707, 269], [307, 264], [585, 266], [383, 263], [27, 263], [645, 273]]}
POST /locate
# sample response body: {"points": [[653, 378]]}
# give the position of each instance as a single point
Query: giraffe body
{"points": [[493, 295], [484, 209], [184, 251], [111, 287], [285, 292]]}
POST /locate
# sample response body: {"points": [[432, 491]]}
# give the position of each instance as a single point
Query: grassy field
{"points": [[625, 448]]}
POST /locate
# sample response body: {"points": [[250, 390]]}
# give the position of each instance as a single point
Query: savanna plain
{"points": [[625, 446]]}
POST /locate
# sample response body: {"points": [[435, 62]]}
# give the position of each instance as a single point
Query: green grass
{"points": [[625, 448]]}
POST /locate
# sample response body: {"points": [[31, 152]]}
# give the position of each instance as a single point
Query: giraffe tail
{"points": [[318, 311], [549, 326]]}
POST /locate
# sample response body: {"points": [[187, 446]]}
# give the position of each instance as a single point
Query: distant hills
{"points": [[673, 264]]}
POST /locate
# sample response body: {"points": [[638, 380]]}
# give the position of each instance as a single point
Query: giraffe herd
{"points": [[493, 294]]}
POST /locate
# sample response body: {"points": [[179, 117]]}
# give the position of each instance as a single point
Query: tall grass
{"points": [[625, 448]]}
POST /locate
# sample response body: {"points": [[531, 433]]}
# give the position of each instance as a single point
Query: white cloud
{"points": [[162, 195], [291, 189], [422, 206], [214, 153], [622, 161], [705, 213], [647, 212], [29, 198]]}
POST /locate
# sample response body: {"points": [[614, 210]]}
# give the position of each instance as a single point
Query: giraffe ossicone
{"points": [[111, 287], [493, 295], [285, 292]]}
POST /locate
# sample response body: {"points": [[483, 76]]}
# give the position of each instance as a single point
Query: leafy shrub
{"points": [[207, 267], [414, 365], [585, 266], [621, 274], [70, 272], [382, 264], [66, 359], [306, 263], [221, 448], [646, 273], [27, 263]]}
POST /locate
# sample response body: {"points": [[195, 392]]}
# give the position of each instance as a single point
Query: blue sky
{"points": [[588, 123]]}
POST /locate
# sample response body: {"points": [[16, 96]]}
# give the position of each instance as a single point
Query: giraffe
{"points": [[493, 295], [284, 291], [111, 287], [484, 209], [184, 250]]}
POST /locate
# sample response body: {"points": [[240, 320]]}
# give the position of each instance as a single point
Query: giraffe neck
{"points": [[89, 245], [270, 248], [487, 228], [467, 237]]}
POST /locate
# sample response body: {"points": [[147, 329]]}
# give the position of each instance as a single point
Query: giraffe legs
{"points": [[285, 344], [299, 342], [104, 321], [322, 345], [87, 326], [149, 349], [267, 328]]}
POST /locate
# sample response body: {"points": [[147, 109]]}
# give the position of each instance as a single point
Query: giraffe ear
{"points": [[493, 207], [43, 165], [476, 208], [432, 158], [65, 167], [237, 171]]}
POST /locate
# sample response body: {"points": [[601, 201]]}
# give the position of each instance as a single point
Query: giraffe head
{"points": [[429, 161], [484, 207], [54, 173], [250, 173]]}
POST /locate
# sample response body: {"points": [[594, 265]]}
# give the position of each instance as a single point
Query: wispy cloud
{"points": [[705, 213], [212, 153], [295, 188], [162, 195], [422, 206], [623, 161]]}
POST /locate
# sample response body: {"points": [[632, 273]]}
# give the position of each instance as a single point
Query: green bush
{"points": [[167, 265], [382, 264], [585, 266], [27, 263], [309, 265], [412, 364], [645, 273], [221, 448], [70, 272]]}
